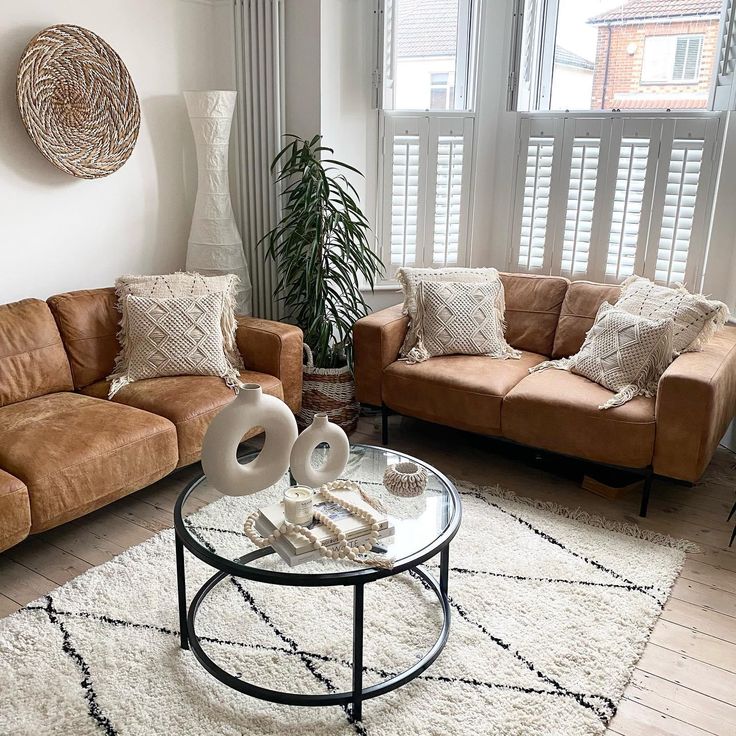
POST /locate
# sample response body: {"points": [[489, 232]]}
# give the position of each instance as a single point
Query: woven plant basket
{"points": [[328, 390]]}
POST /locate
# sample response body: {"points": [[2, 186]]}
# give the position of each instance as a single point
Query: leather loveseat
{"points": [[65, 449], [672, 435]]}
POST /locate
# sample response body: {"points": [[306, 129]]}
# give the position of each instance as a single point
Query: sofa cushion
{"points": [[190, 402], [76, 453], [32, 357], [533, 306], [577, 315], [15, 513], [462, 391], [88, 322], [558, 411]]}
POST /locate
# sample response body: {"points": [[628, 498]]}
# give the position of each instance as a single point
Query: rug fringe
{"points": [[585, 517]]}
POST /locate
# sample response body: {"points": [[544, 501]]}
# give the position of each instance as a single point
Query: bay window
{"points": [[615, 170], [427, 119]]}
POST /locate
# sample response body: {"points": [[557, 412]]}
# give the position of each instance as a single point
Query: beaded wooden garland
{"points": [[344, 550]]}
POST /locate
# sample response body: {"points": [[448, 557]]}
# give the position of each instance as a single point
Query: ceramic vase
{"points": [[251, 408], [215, 246], [320, 430]]}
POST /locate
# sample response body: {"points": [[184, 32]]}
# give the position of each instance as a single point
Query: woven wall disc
{"points": [[77, 101]]}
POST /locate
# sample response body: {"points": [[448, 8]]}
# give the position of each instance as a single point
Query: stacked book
{"points": [[295, 549]]}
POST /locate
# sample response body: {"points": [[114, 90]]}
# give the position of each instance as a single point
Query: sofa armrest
{"points": [[274, 348], [377, 340], [696, 401]]}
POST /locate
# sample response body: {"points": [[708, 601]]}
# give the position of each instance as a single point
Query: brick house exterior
{"points": [[619, 81]]}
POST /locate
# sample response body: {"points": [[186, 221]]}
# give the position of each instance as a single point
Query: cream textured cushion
{"points": [[458, 317], [695, 317], [173, 337], [173, 285], [622, 352], [409, 279]]}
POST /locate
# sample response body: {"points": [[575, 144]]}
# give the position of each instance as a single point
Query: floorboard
{"points": [[683, 704], [699, 618]]}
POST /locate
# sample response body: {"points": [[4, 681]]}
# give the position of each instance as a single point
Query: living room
{"points": [[368, 367]]}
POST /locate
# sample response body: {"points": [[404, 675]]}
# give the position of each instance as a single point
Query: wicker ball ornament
{"points": [[77, 101]]}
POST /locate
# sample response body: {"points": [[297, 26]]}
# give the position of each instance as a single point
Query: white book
{"points": [[310, 554], [272, 517]]}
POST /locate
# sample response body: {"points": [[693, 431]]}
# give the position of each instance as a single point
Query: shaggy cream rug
{"points": [[551, 610]]}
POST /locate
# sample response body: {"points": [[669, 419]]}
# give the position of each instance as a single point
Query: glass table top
{"points": [[211, 523]]}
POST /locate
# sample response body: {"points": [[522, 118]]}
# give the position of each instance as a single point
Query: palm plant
{"points": [[321, 249]]}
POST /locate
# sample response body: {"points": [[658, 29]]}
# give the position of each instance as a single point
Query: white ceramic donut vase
{"points": [[251, 408], [320, 430]]}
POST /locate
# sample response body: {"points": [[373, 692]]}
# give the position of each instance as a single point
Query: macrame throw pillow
{"points": [[174, 285], [622, 352], [409, 279], [696, 318], [460, 318], [173, 337]]}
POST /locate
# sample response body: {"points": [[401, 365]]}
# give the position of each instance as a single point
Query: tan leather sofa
{"points": [[66, 450], [672, 435]]}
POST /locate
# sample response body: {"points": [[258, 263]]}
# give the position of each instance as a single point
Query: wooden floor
{"points": [[685, 682]]}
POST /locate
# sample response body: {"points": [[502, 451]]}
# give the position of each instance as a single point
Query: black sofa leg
{"points": [[645, 493], [384, 424]]}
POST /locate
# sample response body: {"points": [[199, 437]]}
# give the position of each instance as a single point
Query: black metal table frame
{"points": [[357, 578]]}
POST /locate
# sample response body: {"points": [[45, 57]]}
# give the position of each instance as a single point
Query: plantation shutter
{"points": [[449, 166], [585, 151], [426, 190], [385, 69], [632, 186], [539, 143], [405, 177], [604, 198], [678, 230], [724, 88]]}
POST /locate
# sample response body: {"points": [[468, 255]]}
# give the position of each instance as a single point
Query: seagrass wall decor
{"points": [[77, 101]]}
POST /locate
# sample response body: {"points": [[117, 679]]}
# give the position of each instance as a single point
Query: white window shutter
{"points": [[724, 86], [583, 179], [678, 232], [386, 54], [449, 184], [633, 162], [404, 182], [539, 148], [426, 186]]}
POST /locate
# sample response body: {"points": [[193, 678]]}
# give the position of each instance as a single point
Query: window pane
{"points": [[633, 54], [430, 54]]}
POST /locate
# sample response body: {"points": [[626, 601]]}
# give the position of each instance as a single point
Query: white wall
{"points": [[59, 233]]}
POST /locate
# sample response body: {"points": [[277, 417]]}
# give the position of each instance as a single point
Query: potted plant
{"points": [[323, 257]]}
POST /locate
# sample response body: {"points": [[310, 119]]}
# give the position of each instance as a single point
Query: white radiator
{"points": [[258, 28]]}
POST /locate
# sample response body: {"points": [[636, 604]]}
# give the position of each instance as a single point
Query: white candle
{"points": [[298, 505]]}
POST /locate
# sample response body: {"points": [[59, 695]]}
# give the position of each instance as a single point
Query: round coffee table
{"points": [[424, 526]]}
